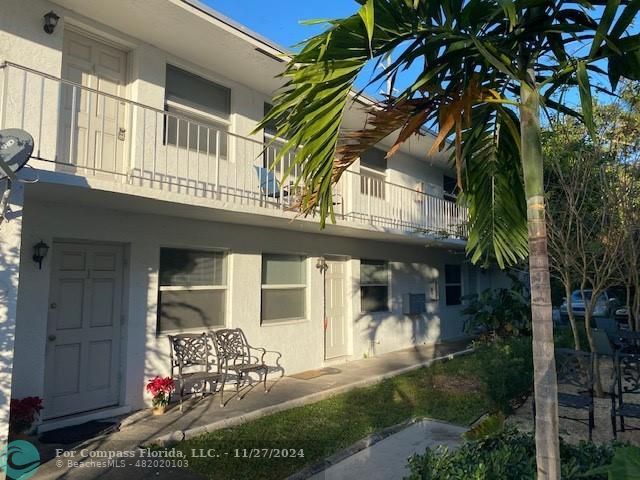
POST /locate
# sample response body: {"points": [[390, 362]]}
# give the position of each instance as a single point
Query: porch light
{"points": [[321, 264], [40, 250], [50, 22]]}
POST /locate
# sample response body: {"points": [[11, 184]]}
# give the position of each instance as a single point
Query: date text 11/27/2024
{"points": [[248, 453]]}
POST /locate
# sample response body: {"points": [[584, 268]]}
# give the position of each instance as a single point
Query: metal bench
{"points": [[192, 362], [236, 355]]}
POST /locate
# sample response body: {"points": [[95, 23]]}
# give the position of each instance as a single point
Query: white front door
{"points": [[335, 287], [93, 130], [83, 334]]}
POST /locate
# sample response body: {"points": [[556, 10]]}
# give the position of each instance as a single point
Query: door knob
{"points": [[52, 338], [53, 306]]}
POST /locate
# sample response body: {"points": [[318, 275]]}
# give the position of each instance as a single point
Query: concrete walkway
{"points": [[387, 459], [202, 415]]}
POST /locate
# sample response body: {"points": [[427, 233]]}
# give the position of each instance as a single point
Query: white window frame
{"points": [[388, 285], [189, 111], [291, 286], [375, 174], [171, 288]]}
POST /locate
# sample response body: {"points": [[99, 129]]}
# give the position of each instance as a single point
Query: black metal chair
{"points": [[235, 354], [193, 362], [626, 341], [575, 383], [625, 386]]}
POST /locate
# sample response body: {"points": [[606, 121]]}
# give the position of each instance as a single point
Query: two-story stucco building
{"points": [[161, 215]]}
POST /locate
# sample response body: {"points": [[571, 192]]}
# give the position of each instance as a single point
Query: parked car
{"points": [[606, 305], [622, 314]]}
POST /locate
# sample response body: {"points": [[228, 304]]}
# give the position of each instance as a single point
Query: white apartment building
{"points": [[161, 214]]}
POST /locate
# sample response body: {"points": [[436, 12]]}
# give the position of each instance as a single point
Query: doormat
{"points": [[78, 433], [308, 375]]}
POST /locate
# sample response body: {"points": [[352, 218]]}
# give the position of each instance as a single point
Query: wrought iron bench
{"points": [[626, 384], [236, 355], [192, 362]]}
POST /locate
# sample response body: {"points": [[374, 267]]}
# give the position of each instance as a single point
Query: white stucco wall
{"points": [[146, 354], [10, 251]]}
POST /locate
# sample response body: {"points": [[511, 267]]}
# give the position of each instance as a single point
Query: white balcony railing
{"points": [[87, 132]]}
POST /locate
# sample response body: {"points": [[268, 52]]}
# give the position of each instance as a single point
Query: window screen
{"points": [[196, 92], [453, 284], [192, 290], [283, 287], [374, 286], [374, 158]]}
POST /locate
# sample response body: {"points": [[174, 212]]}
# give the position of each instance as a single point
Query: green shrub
{"points": [[510, 455], [506, 368], [503, 312]]}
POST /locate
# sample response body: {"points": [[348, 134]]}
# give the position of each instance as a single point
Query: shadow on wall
{"points": [[406, 278]]}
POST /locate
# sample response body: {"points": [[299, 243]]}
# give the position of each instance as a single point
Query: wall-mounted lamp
{"points": [[321, 264], [50, 22], [40, 250]]}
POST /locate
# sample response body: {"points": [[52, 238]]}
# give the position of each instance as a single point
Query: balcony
{"points": [[91, 134]]}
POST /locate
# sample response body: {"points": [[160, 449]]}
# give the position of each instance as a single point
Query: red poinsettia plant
{"points": [[23, 412], [160, 388]]}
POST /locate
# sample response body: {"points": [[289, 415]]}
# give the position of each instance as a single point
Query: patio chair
{"points": [[575, 383], [191, 362], [609, 325], [602, 343], [236, 355], [625, 385], [627, 341], [269, 184]]}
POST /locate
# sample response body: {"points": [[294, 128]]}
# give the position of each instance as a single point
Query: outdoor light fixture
{"points": [[40, 250], [321, 264], [50, 22]]}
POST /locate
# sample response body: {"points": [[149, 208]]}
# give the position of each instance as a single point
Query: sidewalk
{"points": [[388, 458], [202, 415]]}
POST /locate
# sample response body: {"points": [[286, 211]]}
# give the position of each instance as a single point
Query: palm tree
{"points": [[486, 71]]}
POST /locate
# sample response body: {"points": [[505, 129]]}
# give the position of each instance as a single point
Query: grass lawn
{"points": [[457, 391]]}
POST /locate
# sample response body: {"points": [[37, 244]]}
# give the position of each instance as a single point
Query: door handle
{"points": [[122, 134], [52, 338], [53, 306]]}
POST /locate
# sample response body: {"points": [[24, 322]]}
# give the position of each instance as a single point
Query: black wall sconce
{"points": [[40, 250], [50, 22]]}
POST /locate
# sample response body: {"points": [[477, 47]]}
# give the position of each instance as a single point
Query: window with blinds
{"points": [[284, 288], [374, 286], [192, 289], [199, 113]]}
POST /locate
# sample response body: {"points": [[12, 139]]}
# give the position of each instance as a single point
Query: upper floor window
{"points": [[374, 286], [449, 188], [284, 287], [453, 284], [192, 289], [373, 166], [199, 113]]}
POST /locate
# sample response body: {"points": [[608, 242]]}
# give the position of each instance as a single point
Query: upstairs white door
{"points": [[93, 130], [335, 301], [83, 334]]}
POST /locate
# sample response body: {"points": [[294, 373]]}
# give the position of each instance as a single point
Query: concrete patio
{"points": [[205, 414]]}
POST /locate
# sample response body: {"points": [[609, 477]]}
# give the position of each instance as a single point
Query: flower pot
{"points": [[159, 410]]}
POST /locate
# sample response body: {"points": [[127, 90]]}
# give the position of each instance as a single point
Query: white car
{"points": [[606, 305]]}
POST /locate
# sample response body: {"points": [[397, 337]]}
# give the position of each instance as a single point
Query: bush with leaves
{"points": [[507, 455], [499, 312], [506, 370]]}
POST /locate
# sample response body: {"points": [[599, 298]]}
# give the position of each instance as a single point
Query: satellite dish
{"points": [[16, 147]]}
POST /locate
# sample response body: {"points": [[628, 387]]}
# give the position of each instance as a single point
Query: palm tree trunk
{"points": [[544, 365]]}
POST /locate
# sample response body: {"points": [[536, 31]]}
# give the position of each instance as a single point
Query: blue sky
{"points": [[279, 20]]}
